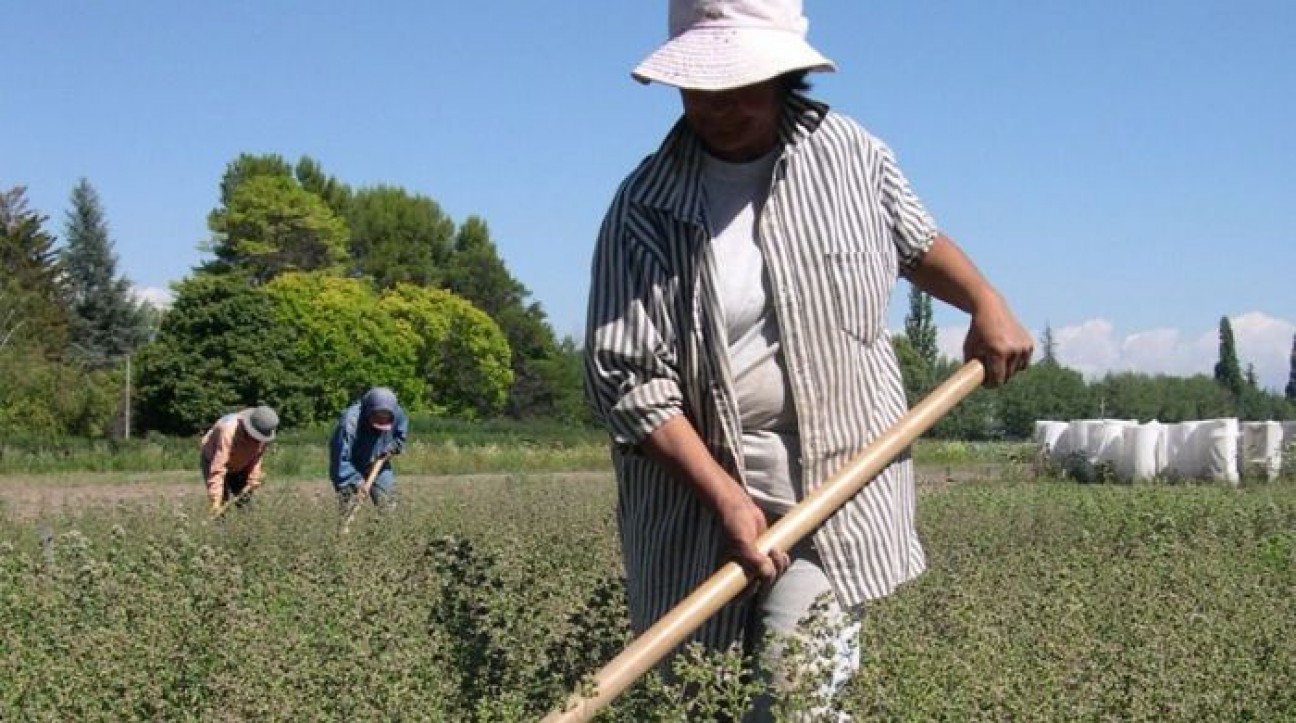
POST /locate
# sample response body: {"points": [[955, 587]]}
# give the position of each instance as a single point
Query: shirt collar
{"points": [[676, 167]]}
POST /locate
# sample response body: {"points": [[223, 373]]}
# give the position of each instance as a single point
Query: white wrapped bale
{"points": [[1141, 452], [1220, 440], [1110, 440], [1183, 458], [1261, 450], [1051, 438]]}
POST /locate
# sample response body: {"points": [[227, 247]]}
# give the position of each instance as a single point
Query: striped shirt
{"points": [[839, 226]]}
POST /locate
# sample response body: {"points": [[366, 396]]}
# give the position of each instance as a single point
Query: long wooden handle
{"points": [[723, 586], [363, 491]]}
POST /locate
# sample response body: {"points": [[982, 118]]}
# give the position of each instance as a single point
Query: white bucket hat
{"points": [[724, 44]]}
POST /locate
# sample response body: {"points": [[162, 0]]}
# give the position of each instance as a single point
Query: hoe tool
{"points": [[236, 499], [361, 493], [723, 586]]}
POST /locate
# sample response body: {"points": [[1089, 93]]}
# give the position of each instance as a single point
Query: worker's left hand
{"points": [[1001, 343]]}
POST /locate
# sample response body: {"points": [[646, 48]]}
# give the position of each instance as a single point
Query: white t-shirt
{"points": [[735, 193]]}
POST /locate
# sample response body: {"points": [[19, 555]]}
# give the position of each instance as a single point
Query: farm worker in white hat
{"points": [[370, 430], [737, 348], [232, 451]]}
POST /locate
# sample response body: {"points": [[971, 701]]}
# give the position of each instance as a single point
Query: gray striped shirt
{"points": [[840, 225]]}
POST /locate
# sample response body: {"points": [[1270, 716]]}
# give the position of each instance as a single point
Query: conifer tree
{"points": [[919, 327], [1291, 375], [106, 320], [1228, 371]]}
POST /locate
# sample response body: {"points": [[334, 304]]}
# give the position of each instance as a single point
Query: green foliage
{"points": [[397, 237], [1043, 391], [916, 375], [32, 308], [48, 398], [463, 357], [335, 194], [1129, 395], [272, 225], [1048, 346], [1061, 602], [1228, 371], [106, 321], [920, 329], [1290, 391], [344, 341], [561, 377], [1043, 601], [220, 347], [248, 166], [477, 273]]}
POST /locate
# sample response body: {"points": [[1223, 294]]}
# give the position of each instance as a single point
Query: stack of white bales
{"points": [[1214, 449]]}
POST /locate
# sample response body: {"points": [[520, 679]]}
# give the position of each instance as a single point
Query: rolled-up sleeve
{"points": [[913, 230], [631, 375]]}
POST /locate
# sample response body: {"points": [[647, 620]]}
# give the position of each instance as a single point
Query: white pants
{"points": [[781, 611]]}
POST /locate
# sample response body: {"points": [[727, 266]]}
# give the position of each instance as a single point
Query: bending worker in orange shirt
{"points": [[231, 454]]}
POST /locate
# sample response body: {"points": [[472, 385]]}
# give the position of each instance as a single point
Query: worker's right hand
{"points": [[743, 522], [213, 505]]}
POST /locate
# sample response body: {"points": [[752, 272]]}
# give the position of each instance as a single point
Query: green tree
{"points": [[463, 356], [272, 225], [1228, 371], [220, 347], [920, 330], [1042, 391], [1291, 374], [399, 238], [106, 320], [32, 294], [41, 398], [345, 341], [913, 370], [477, 273], [335, 194], [248, 166], [1048, 345]]}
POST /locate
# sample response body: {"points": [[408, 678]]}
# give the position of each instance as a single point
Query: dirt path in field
{"points": [[27, 496]]}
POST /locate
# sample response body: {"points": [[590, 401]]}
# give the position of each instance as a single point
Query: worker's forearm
{"points": [[948, 274], [677, 445]]}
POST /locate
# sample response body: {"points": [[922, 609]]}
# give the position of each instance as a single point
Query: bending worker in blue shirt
{"points": [[369, 431]]}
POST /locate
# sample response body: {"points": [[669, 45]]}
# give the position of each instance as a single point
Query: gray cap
{"points": [[260, 423]]}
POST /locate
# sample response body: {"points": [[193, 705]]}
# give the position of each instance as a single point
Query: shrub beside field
{"points": [[487, 600]]}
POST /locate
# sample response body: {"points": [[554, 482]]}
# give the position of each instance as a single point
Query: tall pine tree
{"points": [[106, 321], [1049, 345], [1291, 375], [919, 327], [31, 287], [1228, 371]]}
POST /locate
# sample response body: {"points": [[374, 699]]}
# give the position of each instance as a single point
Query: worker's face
{"points": [[381, 419], [736, 125]]}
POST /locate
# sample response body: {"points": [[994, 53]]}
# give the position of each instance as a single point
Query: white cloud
{"points": [[1095, 347], [156, 296]]}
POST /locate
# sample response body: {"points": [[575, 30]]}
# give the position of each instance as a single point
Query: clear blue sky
{"points": [[1123, 171]]}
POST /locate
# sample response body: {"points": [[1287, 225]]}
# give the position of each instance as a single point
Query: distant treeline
{"points": [[315, 290]]}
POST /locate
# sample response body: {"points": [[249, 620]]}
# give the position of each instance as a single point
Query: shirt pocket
{"points": [[861, 289]]}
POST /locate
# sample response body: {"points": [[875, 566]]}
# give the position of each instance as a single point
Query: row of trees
{"points": [[67, 321], [314, 290], [1049, 390]]}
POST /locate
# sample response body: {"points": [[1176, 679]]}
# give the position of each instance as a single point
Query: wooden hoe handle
{"points": [[730, 580]]}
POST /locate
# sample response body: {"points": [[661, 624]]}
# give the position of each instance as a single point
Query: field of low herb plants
{"points": [[485, 599]]}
